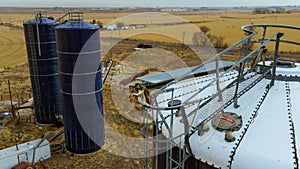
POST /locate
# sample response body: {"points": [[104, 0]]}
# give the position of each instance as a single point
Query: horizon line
{"points": [[156, 7]]}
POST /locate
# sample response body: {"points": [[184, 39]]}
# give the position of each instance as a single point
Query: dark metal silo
{"points": [[78, 48], [43, 67]]}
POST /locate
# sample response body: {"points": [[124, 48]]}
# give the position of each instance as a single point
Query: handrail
{"points": [[207, 61], [191, 128], [217, 56], [246, 29], [71, 16], [186, 102]]}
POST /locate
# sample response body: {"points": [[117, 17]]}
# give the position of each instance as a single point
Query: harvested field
{"points": [[12, 47], [122, 115]]}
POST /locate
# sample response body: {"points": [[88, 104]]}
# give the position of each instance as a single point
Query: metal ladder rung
{"points": [[34, 62]]}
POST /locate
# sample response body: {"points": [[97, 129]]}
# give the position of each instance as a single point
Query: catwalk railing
{"points": [[226, 95]]}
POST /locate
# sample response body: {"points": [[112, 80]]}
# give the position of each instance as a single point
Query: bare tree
{"points": [[120, 25], [204, 38], [205, 29]]}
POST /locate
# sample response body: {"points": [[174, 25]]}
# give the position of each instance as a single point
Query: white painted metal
{"points": [[212, 147], [11, 156], [295, 110], [267, 142]]}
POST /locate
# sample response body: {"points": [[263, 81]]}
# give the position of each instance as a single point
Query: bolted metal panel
{"points": [[43, 68], [78, 48]]}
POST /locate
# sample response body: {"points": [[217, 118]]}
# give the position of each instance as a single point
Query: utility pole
{"points": [[111, 47], [10, 97], [183, 37]]}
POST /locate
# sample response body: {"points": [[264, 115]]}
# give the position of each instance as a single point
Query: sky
{"points": [[145, 3]]}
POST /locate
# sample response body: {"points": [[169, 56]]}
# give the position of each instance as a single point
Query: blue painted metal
{"points": [[71, 40], [43, 68], [174, 103]]}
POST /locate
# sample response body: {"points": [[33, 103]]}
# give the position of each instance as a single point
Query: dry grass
{"points": [[12, 50], [12, 47], [227, 24]]}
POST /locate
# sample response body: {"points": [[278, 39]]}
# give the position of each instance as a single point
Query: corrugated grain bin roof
{"points": [[77, 25]]}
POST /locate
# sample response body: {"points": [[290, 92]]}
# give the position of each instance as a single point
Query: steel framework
{"points": [[193, 120]]}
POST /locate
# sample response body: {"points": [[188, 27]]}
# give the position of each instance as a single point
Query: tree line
{"points": [[277, 10]]}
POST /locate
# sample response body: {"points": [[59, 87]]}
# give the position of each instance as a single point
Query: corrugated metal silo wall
{"points": [[78, 46], [43, 65]]}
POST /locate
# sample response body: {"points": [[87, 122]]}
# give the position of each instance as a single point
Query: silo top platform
{"points": [[77, 25], [41, 21]]}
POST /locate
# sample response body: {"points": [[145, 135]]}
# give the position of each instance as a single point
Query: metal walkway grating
{"points": [[213, 106]]}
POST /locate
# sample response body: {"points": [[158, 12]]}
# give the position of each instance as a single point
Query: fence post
{"points": [[10, 97], [218, 80], [279, 35]]}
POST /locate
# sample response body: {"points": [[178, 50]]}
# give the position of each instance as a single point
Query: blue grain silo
{"points": [[78, 48], [43, 67]]}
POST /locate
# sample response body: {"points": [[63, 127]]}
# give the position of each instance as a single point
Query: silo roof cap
{"points": [[77, 25], [41, 21]]}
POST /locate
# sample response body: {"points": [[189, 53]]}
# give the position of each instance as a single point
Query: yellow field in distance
{"points": [[222, 23]]}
